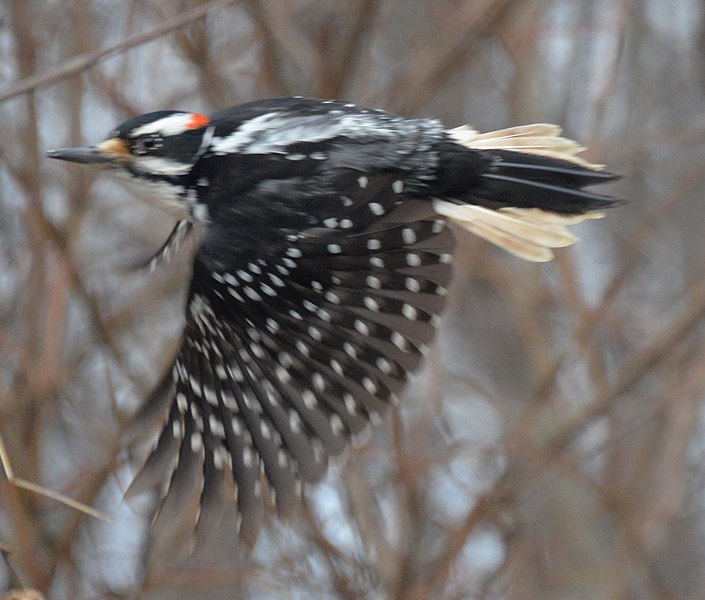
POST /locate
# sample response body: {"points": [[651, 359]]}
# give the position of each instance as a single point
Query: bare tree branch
{"points": [[78, 64]]}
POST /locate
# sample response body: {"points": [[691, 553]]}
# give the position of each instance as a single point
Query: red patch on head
{"points": [[198, 121]]}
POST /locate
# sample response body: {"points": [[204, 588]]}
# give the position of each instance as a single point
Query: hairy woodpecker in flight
{"points": [[322, 272]]}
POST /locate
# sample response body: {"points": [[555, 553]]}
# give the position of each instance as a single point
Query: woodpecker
{"points": [[321, 272]]}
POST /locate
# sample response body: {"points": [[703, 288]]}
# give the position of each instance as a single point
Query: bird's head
{"points": [[156, 150], [160, 145]]}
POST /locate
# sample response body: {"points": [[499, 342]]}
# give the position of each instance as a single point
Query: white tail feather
{"points": [[540, 139], [529, 233]]}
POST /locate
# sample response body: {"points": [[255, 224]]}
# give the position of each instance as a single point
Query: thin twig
{"points": [[638, 363], [38, 489], [74, 66]]}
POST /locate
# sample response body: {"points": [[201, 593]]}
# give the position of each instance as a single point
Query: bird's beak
{"points": [[110, 151], [82, 154]]}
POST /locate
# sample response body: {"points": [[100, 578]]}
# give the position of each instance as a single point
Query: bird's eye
{"points": [[146, 144]]}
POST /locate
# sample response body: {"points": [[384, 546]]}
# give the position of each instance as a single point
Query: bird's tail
{"points": [[531, 192]]}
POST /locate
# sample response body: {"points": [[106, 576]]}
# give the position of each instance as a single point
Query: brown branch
{"points": [[432, 65], [334, 74], [42, 491], [455, 540], [635, 367], [77, 64]]}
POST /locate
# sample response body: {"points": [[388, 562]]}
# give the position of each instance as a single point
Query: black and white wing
{"points": [[288, 355]]}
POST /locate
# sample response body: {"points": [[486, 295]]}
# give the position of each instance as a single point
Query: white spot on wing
{"points": [[295, 421], [176, 430], [309, 399], [438, 226], [336, 424], [248, 458], [244, 276], [282, 375], [369, 385], [373, 282], [376, 208], [332, 297], [412, 284], [276, 280], [350, 405], [399, 341], [361, 327], [384, 365], [267, 289], [413, 260], [409, 312], [250, 293], [371, 304], [181, 403]]}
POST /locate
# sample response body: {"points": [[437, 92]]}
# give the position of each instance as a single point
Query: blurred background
{"points": [[551, 448]]}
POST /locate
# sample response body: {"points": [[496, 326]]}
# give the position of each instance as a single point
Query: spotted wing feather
{"points": [[284, 359]]}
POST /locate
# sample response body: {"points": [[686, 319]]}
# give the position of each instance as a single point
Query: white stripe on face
{"points": [[161, 166], [171, 125]]}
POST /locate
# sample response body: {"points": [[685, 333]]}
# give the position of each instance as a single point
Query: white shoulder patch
{"points": [[273, 132]]}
